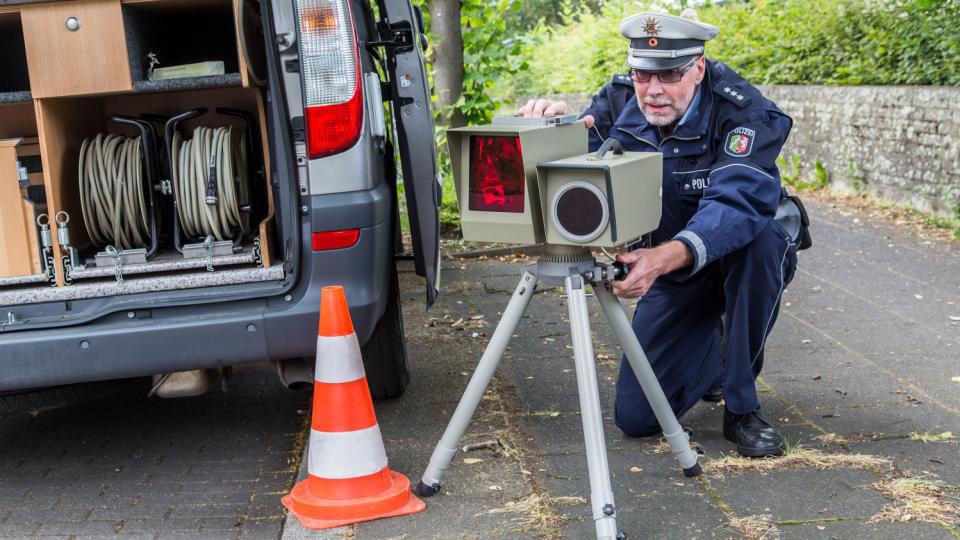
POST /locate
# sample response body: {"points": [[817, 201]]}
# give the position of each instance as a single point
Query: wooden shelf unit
{"points": [[80, 79]]}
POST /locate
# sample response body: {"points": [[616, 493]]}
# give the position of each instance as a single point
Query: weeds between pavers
{"points": [[754, 527], [918, 499], [928, 437], [797, 457], [537, 513]]}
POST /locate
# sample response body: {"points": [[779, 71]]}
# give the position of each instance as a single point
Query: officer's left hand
{"points": [[646, 265], [644, 270]]}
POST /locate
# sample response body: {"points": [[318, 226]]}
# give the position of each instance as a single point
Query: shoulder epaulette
{"points": [[735, 94], [623, 79]]}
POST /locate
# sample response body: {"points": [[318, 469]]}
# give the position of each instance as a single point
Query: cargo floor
{"points": [[141, 284]]}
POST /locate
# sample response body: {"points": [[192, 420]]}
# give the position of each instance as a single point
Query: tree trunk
{"points": [[447, 57]]}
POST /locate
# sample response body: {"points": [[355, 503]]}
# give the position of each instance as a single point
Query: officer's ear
{"points": [[701, 68]]}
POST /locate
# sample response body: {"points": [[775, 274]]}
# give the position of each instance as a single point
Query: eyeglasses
{"points": [[669, 76]]}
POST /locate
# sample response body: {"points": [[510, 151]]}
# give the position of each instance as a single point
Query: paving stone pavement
{"points": [[127, 466], [862, 359]]}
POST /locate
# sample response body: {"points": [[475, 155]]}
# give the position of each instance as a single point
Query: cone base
{"points": [[317, 513]]}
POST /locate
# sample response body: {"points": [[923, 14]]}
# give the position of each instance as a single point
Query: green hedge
{"points": [[833, 42]]}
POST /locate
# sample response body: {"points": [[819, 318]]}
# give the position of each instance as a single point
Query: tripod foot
{"points": [[693, 472], [426, 491]]}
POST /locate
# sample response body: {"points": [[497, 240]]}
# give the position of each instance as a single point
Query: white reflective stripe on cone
{"points": [[338, 359], [349, 454]]}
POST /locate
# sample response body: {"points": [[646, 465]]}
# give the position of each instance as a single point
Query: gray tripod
{"points": [[573, 269]]}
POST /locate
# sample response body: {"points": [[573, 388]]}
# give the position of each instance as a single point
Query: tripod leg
{"points": [[447, 447], [601, 494], [676, 437]]}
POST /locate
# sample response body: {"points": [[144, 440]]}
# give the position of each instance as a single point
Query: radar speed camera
{"points": [[530, 180]]}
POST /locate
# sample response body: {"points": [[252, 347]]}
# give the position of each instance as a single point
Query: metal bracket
{"points": [[208, 250], [22, 176], [128, 256], [397, 36]]}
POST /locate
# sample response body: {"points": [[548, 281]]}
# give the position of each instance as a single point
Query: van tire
{"points": [[385, 353]]}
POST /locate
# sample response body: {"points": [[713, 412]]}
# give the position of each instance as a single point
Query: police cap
{"points": [[659, 41]]}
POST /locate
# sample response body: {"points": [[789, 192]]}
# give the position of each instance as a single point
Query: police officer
{"points": [[718, 254]]}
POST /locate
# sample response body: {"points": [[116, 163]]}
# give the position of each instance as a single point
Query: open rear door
{"points": [[401, 33]]}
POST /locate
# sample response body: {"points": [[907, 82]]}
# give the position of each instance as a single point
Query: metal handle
{"points": [[72, 24], [609, 144]]}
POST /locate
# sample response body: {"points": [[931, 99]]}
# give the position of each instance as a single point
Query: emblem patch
{"points": [[740, 142], [651, 26]]}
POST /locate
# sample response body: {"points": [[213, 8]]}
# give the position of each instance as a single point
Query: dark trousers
{"points": [[679, 326]]}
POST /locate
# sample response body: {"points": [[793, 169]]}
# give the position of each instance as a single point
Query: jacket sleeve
{"points": [[601, 108], [744, 189]]}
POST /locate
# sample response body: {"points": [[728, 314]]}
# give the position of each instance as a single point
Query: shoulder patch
{"points": [[733, 93], [625, 80], [739, 142]]}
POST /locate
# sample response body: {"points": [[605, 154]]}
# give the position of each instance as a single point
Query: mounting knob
{"points": [[72, 24]]}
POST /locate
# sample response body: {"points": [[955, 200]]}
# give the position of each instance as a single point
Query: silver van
{"points": [[326, 106]]}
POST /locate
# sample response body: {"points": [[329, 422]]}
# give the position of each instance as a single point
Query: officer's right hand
{"points": [[535, 108]]}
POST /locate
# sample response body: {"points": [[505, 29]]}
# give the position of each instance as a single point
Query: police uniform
{"points": [[721, 189]]}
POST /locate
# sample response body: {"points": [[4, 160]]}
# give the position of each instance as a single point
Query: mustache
{"points": [[658, 102]]}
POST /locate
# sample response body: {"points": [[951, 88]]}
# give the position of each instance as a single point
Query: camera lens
{"points": [[580, 212]]}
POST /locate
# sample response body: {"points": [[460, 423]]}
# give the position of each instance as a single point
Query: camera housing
{"points": [[495, 173], [530, 181], [603, 199]]}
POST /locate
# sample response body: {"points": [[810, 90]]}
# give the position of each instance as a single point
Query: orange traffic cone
{"points": [[348, 479]]}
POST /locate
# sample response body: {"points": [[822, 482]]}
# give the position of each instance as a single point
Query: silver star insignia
{"points": [[727, 89], [740, 97]]}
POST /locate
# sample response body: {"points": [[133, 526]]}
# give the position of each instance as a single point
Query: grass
{"points": [[918, 499], [538, 513], [832, 438], [754, 527], [928, 437], [795, 457]]}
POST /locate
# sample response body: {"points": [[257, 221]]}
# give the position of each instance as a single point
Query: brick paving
{"points": [[124, 465]]}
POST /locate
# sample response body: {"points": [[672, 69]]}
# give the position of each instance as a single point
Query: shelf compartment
{"points": [[14, 75], [180, 33], [66, 122]]}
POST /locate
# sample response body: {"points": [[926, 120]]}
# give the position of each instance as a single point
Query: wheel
{"points": [[385, 354]]}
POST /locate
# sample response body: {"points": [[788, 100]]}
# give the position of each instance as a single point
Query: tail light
{"points": [[327, 240], [497, 178], [330, 66]]}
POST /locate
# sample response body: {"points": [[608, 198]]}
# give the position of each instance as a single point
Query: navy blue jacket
{"points": [[721, 184]]}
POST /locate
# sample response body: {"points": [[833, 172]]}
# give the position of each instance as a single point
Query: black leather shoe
{"points": [[752, 435], [713, 395]]}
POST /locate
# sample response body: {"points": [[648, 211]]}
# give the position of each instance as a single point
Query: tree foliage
{"points": [[833, 42]]}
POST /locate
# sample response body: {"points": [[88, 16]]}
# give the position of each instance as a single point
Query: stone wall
{"points": [[899, 142]]}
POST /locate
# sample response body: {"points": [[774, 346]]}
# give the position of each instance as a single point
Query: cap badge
{"points": [[653, 42], [651, 26]]}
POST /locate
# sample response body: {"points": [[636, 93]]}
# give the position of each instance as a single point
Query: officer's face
{"points": [[664, 103]]}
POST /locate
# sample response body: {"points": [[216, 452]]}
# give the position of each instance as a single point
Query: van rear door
{"points": [[401, 30]]}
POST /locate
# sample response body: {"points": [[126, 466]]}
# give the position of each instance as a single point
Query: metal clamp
{"points": [[71, 259], [208, 245], [258, 252], [117, 264], [46, 243]]}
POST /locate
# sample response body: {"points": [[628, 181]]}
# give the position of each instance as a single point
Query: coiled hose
{"points": [[211, 182], [112, 197]]}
